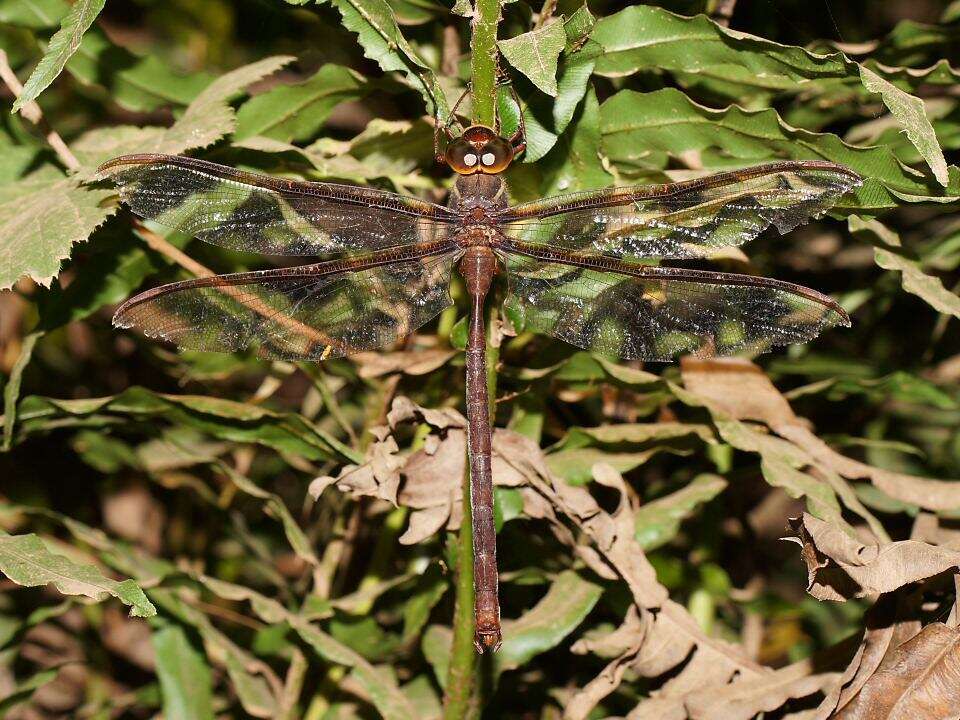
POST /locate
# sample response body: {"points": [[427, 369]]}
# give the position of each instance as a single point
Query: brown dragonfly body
{"points": [[585, 268]]}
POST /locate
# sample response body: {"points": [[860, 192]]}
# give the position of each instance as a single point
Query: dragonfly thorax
{"points": [[484, 193]]}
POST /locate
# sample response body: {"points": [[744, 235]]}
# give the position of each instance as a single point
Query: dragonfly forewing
{"points": [[273, 216], [681, 220]]}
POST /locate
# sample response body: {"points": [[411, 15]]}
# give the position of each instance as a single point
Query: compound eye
{"points": [[488, 158], [470, 159]]}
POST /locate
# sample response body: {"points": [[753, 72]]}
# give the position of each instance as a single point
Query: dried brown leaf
{"points": [[917, 680], [410, 362], [839, 567], [885, 628]]}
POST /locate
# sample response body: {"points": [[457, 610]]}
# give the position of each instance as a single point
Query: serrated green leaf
{"points": [[644, 37], [185, 679], [910, 113], [25, 560], [117, 268], [207, 119], [297, 112], [62, 45], [658, 521], [41, 217], [381, 39], [568, 601], [535, 54]]}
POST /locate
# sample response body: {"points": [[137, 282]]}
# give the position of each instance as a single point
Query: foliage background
{"points": [[643, 571]]}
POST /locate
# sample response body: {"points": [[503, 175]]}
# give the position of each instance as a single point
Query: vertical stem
{"points": [[483, 70], [461, 675], [461, 696]]}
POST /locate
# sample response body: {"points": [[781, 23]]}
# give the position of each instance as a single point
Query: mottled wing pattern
{"points": [[305, 313], [657, 313], [258, 213], [685, 219]]}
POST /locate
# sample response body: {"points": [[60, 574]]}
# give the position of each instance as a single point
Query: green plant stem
{"points": [[483, 70], [461, 695], [463, 657]]}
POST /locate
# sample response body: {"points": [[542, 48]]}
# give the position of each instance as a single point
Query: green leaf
{"points": [[11, 391], [223, 419], [644, 37], [641, 128], [575, 465], [927, 287], [909, 112], [658, 521], [252, 688], [33, 14], [568, 601], [209, 117], [416, 610], [295, 535], [297, 112], [27, 561], [33, 238], [185, 679], [62, 45], [382, 690], [205, 121], [535, 54], [381, 39], [137, 84], [574, 163]]}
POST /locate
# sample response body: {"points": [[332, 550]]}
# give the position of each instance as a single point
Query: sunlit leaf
{"points": [[25, 560], [535, 54], [63, 44], [36, 240], [297, 112]]}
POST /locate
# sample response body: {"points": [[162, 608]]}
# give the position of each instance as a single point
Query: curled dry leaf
{"points": [[839, 567], [378, 476], [427, 481], [887, 626], [658, 636], [916, 680]]}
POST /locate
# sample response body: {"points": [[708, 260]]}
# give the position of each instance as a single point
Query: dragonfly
{"points": [[590, 268]]}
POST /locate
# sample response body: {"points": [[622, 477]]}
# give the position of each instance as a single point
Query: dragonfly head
{"points": [[479, 150]]}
